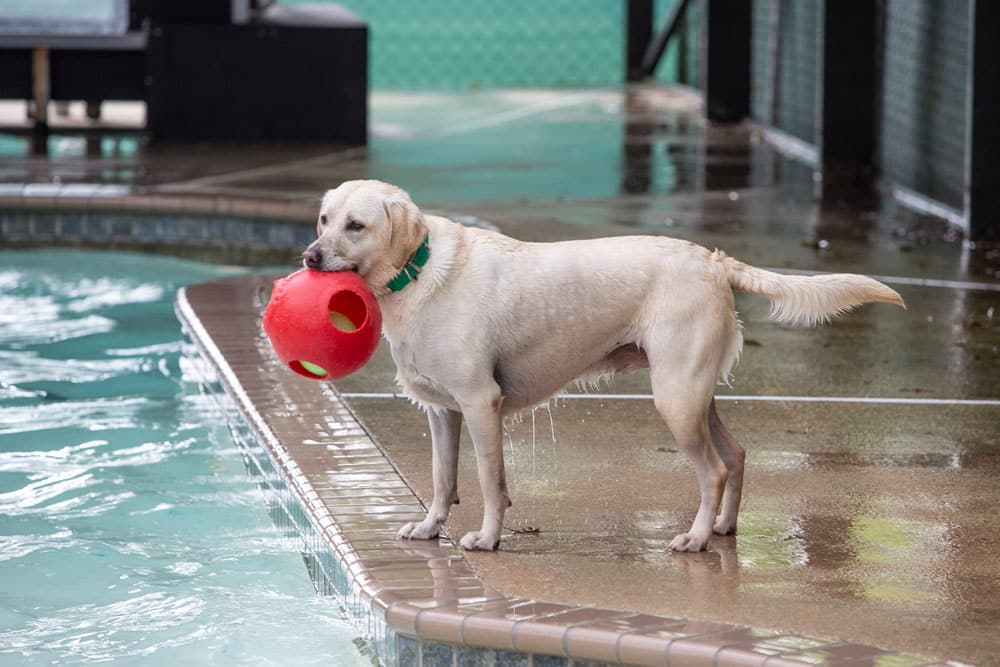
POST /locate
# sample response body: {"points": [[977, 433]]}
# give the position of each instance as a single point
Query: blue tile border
{"points": [[228, 239], [21, 227]]}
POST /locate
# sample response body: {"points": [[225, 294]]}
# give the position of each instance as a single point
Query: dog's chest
{"points": [[416, 378]]}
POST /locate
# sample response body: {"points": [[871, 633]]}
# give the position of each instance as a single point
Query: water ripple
{"points": [[95, 415], [19, 546], [76, 459], [27, 328], [40, 492], [95, 295], [95, 633], [22, 366], [172, 348]]}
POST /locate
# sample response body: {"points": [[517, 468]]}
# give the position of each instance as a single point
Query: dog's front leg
{"points": [[446, 428], [485, 426]]}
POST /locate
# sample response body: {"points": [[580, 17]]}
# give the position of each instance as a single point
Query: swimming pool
{"points": [[129, 529]]}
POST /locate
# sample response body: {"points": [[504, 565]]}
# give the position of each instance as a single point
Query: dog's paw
{"points": [[724, 527], [423, 530], [688, 542], [477, 541]]}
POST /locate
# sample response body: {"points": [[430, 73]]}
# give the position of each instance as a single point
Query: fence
{"points": [[910, 92], [469, 44]]}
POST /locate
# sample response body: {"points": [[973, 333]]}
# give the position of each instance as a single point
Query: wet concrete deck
{"points": [[870, 521]]}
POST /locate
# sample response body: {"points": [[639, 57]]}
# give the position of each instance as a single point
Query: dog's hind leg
{"points": [[682, 382], [733, 456], [446, 428]]}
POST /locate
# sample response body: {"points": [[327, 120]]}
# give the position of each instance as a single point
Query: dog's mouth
{"points": [[353, 268], [332, 267], [339, 269]]}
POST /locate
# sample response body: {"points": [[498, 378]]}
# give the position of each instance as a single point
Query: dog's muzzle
{"points": [[313, 258]]}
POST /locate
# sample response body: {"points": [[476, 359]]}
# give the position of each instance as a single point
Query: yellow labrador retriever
{"points": [[482, 326]]}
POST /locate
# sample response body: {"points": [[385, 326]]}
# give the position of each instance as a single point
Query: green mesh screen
{"points": [[784, 65], [468, 44], [923, 121]]}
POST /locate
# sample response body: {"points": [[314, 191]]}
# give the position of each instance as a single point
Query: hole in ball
{"points": [[308, 369], [347, 311]]}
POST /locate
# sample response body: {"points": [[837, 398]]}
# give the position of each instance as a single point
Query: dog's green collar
{"points": [[412, 267]]}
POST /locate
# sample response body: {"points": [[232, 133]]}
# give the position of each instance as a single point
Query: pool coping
{"points": [[421, 602]]}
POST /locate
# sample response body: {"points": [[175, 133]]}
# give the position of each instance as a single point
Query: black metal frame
{"points": [[846, 88], [658, 46], [982, 173], [725, 60]]}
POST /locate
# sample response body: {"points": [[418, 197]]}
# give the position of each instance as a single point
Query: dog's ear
{"points": [[406, 227]]}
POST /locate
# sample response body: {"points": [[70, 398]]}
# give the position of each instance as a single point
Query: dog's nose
{"points": [[312, 258]]}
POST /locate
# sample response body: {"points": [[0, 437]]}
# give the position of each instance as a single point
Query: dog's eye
{"points": [[354, 226], [322, 220]]}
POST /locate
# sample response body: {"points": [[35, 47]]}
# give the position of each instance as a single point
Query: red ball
{"points": [[323, 325]]}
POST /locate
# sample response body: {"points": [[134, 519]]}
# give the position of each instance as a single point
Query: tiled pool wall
{"points": [[326, 567], [216, 229], [286, 509]]}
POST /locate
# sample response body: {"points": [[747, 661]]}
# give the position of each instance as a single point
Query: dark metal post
{"points": [[41, 88], [638, 33], [845, 126], [982, 174], [658, 45], [726, 59]]}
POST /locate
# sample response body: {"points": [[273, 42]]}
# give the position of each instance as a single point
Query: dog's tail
{"points": [[807, 300]]}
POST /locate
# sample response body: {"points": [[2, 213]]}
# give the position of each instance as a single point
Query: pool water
{"points": [[129, 529]]}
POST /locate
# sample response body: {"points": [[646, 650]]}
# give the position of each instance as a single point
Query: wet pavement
{"points": [[869, 510], [873, 523]]}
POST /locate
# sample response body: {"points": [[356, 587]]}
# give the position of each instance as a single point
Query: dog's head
{"points": [[369, 227]]}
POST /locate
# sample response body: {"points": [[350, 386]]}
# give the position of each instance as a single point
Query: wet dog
{"points": [[482, 326]]}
